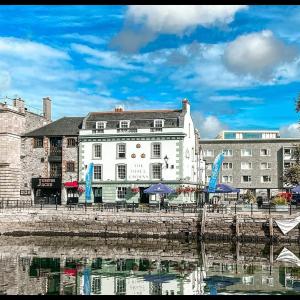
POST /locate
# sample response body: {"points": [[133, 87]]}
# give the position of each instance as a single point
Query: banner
{"points": [[215, 173], [88, 182]]}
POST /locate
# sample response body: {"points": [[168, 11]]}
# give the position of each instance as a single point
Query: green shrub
{"points": [[279, 201]]}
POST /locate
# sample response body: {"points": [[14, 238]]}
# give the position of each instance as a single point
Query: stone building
{"points": [[131, 150], [253, 160], [50, 162], [15, 120]]}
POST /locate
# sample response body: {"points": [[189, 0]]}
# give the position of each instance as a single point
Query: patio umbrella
{"points": [[159, 278], [296, 189], [159, 188], [223, 188]]}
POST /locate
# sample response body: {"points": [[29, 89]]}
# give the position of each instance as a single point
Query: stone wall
{"points": [[175, 225], [97, 223]]}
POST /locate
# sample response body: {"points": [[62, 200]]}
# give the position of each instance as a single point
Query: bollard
{"points": [[85, 206], [251, 209], [235, 208], [132, 206], [41, 205], [269, 208], [290, 208]]}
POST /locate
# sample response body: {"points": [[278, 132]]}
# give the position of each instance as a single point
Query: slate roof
{"points": [[68, 126], [138, 118]]}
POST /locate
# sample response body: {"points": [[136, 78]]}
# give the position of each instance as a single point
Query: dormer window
{"points": [[159, 123], [100, 125], [124, 124]]}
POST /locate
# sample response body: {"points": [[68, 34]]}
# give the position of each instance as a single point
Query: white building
{"points": [[131, 150]]}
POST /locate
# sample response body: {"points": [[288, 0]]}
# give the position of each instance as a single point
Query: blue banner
{"points": [[86, 281], [88, 182], [215, 173]]}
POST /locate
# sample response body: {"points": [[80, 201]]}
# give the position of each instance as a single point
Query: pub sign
{"points": [[49, 183]]}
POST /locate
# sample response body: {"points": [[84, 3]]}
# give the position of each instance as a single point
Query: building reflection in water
{"points": [[139, 276]]}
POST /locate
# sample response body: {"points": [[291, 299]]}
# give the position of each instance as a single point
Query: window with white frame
{"points": [[227, 166], [246, 152], [121, 150], [159, 123], [265, 166], [156, 171], [266, 178], [100, 125], [246, 165], [265, 152], [246, 178], [209, 153], [96, 285], [121, 193], [156, 150], [121, 171], [227, 152], [287, 151], [97, 172], [97, 151], [226, 179], [287, 164], [209, 166], [124, 124]]}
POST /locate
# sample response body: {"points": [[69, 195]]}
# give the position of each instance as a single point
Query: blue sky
{"points": [[238, 65]]}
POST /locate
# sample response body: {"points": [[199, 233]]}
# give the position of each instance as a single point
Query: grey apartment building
{"points": [[253, 160]]}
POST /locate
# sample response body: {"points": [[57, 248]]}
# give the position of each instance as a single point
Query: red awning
{"points": [[72, 184], [70, 272]]}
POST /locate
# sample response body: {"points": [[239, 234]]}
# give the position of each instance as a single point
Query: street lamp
{"points": [[166, 161]]}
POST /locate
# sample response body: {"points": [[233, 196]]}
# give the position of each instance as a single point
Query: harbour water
{"points": [[70, 266]]}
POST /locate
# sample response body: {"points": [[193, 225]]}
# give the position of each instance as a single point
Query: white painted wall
{"points": [[137, 168]]}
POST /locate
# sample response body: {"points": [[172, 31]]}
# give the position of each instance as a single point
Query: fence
{"points": [[144, 208]]}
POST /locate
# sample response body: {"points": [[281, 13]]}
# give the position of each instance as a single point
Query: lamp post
{"points": [[166, 161]]}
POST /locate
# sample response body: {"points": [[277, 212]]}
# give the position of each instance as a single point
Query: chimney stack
{"points": [[119, 108], [47, 108], [19, 104], [186, 105]]}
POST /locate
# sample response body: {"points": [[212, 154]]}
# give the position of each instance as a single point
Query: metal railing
{"points": [[229, 209]]}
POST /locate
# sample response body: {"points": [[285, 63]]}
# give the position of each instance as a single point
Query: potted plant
{"points": [[280, 203], [249, 199]]}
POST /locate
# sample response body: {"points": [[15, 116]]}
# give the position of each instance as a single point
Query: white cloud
{"points": [[290, 131], [93, 39], [175, 19], [5, 80], [233, 98], [143, 23], [209, 126], [257, 54], [29, 50], [107, 59]]}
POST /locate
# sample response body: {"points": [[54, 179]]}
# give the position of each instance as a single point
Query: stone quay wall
{"points": [[97, 223], [173, 225]]}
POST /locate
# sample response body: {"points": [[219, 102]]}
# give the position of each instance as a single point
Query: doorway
{"points": [[144, 198], [97, 194]]}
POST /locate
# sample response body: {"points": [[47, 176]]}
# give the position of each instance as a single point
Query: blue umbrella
{"points": [[223, 188], [296, 189], [159, 188]]}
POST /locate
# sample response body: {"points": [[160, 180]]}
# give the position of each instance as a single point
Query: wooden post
{"points": [[237, 227], [203, 219], [271, 226]]}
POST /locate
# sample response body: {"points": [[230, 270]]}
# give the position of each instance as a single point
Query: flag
{"points": [[215, 173], [88, 181]]}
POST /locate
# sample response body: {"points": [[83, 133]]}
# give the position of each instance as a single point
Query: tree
{"points": [[291, 175], [296, 153]]}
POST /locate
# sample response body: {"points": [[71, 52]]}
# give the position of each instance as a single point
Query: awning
{"points": [[71, 184]]}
